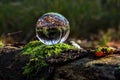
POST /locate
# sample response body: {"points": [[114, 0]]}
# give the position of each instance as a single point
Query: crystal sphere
{"points": [[52, 28]]}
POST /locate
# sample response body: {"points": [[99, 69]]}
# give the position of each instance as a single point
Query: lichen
{"points": [[38, 52]]}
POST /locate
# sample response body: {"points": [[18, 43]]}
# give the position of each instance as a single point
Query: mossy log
{"points": [[64, 63]]}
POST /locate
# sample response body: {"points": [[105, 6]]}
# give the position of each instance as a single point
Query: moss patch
{"points": [[38, 52], [1, 44]]}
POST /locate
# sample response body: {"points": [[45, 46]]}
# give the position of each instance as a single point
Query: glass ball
{"points": [[52, 28]]}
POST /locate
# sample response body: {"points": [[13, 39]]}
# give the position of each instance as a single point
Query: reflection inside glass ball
{"points": [[52, 28]]}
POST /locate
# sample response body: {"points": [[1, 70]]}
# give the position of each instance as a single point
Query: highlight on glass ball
{"points": [[52, 28]]}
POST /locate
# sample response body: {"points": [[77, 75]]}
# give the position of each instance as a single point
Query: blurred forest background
{"points": [[88, 18]]}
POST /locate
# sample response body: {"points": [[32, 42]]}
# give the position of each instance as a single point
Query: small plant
{"points": [[38, 52], [102, 51]]}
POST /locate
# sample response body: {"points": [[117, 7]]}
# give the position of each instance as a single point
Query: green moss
{"points": [[1, 44], [38, 52], [36, 48]]}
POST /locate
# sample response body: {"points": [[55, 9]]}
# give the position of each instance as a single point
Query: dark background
{"points": [[87, 17]]}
